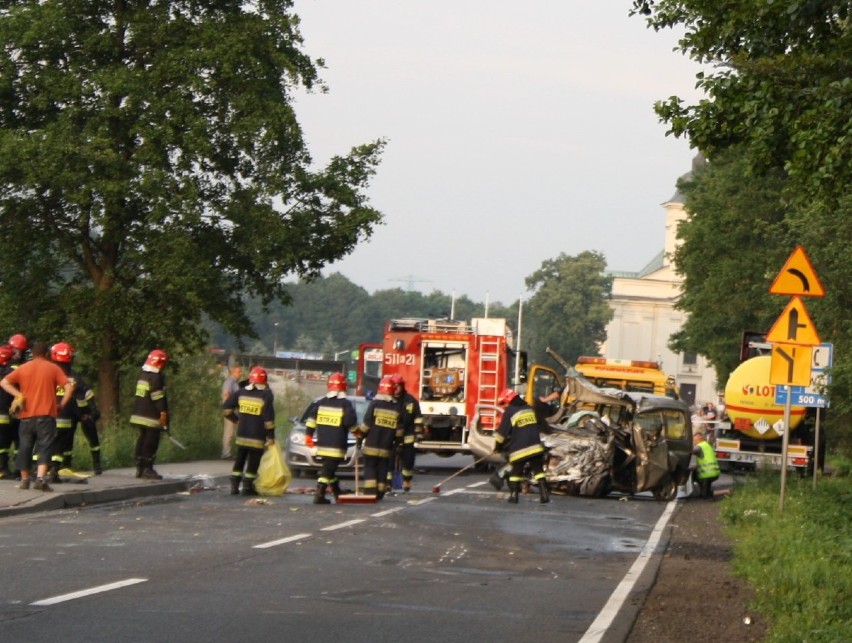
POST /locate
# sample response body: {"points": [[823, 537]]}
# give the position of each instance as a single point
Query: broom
{"points": [[437, 487], [357, 497]]}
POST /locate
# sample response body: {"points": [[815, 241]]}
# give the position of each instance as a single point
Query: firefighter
{"points": [[88, 414], [706, 466], [518, 435], [14, 353], [412, 427], [150, 413], [252, 408], [381, 429], [331, 418], [62, 354], [8, 429]]}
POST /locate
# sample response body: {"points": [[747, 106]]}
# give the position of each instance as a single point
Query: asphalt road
{"points": [[462, 565]]}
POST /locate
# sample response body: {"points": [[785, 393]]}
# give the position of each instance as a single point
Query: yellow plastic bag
{"points": [[273, 474]]}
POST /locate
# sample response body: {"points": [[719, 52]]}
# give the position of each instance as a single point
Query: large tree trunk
{"points": [[108, 384]]}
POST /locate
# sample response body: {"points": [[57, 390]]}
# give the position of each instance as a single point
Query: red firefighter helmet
{"points": [[257, 375], [62, 352], [336, 382], [387, 385], [156, 358], [506, 396], [397, 380], [19, 342], [6, 354]]}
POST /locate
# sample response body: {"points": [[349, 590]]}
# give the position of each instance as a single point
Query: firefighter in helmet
{"points": [[327, 425], [518, 435], [8, 426], [412, 426], [381, 428], [62, 354], [20, 344], [252, 408], [150, 414]]}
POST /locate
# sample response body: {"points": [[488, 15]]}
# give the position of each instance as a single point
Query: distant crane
{"points": [[410, 280]]}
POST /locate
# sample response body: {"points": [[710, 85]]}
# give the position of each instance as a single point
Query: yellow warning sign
{"points": [[794, 326], [798, 277], [790, 365]]}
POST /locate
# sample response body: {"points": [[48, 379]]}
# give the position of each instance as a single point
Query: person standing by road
{"points": [[34, 386], [706, 466], [518, 435], [253, 408], [412, 425], [229, 430], [331, 418], [150, 414], [8, 430], [62, 354], [382, 426]]}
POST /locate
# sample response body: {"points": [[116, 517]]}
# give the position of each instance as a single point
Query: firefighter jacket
{"points": [[412, 419], [382, 426], [67, 417], [705, 461], [5, 398], [331, 418], [253, 409], [518, 433], [150, 399]]}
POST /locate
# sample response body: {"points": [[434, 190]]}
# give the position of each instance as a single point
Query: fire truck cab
{"points": [[452, 367]]}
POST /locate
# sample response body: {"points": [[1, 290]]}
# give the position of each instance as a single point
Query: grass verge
{"points": [[799, 561]]}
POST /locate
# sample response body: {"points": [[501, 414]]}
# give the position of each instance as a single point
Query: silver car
{"points": [[301, 458]]}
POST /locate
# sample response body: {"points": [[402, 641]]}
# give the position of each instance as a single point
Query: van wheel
{"points": [[666, 491]]}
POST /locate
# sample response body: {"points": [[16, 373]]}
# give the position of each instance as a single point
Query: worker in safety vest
{"points": [[707, 468], [381, 428], [331, 418], [412, 426], [150, 413], [518, 435]]}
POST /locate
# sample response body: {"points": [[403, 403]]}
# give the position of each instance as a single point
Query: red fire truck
{"points": [[451, 367]]}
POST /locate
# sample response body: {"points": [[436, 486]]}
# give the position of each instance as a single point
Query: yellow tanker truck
{"points": [[751, 436]]}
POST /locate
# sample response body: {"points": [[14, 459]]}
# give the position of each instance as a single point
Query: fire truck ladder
{"points": [[489, 360]]}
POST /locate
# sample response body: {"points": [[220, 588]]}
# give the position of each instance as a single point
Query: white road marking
{"points": [[421, 502], [282, 541], [88, 592], [607, 615], [342, 525], [387, 512], [477, 484]]}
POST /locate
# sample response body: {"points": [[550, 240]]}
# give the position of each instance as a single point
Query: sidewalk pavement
{"points": [[113, 485]]}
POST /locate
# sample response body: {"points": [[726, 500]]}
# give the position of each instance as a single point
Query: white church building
{"points": [[645, 317]]}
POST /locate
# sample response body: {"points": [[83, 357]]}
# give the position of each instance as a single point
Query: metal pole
{"points": [[785, 440], [816, 448], [518, 347]]}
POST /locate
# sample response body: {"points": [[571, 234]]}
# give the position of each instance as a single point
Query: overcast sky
{"points": [[516, 132]]}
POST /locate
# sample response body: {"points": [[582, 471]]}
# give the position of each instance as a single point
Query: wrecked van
{"points": [[605, 440]]}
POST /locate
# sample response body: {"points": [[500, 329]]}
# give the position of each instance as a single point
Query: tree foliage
{"points": [[152, 170], [781, 85], [570, 308]]}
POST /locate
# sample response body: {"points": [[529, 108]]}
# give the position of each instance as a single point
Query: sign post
{"points": [[792, 331]]}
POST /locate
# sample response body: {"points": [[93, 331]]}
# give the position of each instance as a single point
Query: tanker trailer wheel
{"points": [[666, 490]]}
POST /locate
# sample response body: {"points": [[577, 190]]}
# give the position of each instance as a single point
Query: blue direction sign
{"points": [[822, 358]]}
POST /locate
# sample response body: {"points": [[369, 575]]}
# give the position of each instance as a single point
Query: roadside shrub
{"points": [[799, 561]]}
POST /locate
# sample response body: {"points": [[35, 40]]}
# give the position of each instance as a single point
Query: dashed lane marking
{"points": [[343, 525], [387, 512], [282, 541], [88, 592]]}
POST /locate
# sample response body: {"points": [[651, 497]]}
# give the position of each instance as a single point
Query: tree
{"points": [[152, 171], [733, 237], [570, 309], [781, 86]]}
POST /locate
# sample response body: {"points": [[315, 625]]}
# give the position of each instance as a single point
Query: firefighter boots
{"points": [[235, 485], [319, 498], [514, 490], [248, 487], [496, 480], [5, 472], [543, 491], [96, 463], [146, 470], [335, 489]]}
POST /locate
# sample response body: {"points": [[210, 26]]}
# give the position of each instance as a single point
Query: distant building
{"points": [[645, 317]]}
